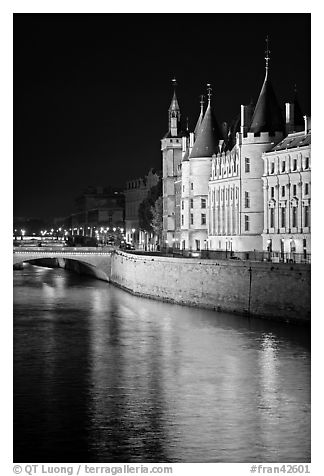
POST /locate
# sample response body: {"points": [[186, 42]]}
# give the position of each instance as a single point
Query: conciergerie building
{"points": [[241, 188]]}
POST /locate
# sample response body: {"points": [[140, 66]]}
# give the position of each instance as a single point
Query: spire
{"points": [[174, 112], [209, 134], [201, 115], [209, 93], [267, 55], [267, 115]]}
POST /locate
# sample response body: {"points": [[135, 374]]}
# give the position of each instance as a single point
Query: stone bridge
{"points": [[93, 261]]}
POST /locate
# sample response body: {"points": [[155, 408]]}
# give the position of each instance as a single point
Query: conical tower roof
{"points": [[201, 116], [208, 137], [174, 106], [267, 115]]}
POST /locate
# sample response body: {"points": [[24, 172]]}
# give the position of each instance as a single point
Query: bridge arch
{"points": [[93, 263]]}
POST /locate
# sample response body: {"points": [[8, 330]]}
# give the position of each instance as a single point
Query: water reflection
{"points": [[113, 377]]}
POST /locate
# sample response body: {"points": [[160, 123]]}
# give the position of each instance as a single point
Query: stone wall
{"points": [[278, 291]]}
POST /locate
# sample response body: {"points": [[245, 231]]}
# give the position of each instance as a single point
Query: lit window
{"points": [[283, 217], [271, 217], [283, 166], [247, 222], [306, 216], [247, 200], [294, 217], [295, 164]]}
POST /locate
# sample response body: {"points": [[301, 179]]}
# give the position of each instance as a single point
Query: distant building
{"points": [[136, 191], [98, 208], [287, 194]]}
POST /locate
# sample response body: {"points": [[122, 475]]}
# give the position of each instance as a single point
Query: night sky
{"points": [[92, 91]]}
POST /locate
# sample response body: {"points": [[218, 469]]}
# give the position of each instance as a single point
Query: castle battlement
{"points": [[260, 138]]}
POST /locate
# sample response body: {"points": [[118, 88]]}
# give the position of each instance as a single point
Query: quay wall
{"points": [[272, 290]]}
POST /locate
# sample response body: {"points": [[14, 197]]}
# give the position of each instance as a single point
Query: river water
{"points": [[104, 376]]}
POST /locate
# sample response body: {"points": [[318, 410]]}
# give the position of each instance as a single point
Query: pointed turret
{"points": [[201, 115], [174, 113], [209, 134], [267, 115]]}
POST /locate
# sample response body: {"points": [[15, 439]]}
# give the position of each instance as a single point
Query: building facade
{"points": [[214, 192], [287, 195], [99, 211]]}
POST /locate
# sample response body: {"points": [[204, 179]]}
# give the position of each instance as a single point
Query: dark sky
{"points": [[91, 91]]}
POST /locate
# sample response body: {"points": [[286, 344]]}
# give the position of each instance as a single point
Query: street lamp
{"points": [[22, 234]]}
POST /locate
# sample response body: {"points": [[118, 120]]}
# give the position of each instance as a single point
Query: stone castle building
{"points": [[215, 179]]}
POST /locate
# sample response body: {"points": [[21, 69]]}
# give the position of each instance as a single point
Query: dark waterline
{"points": [[104, 376]]}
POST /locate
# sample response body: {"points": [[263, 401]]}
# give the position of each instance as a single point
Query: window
{"points": [[306, 216], [203, 218], [272, 192], [191, 185], [191, 202], [294, 217], [294, 164], [191, 219], [247, 223], [294, 189], [271, 217], [283, 217], [306, 188], [183, 188], [236, 193], [283, 166], [247, 200], [272, 167], [283, 190], [182, 204], [203, 203], [197, 245], [247, 165], [306, 162], [182, 220]]}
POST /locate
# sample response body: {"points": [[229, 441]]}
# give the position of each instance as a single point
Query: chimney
{"points": [[191, 139], [184, 144], [246, 117], [289, 117], [307, 121]]}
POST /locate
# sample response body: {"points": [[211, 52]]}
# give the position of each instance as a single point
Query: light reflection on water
{"points": [[104, 376]]}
